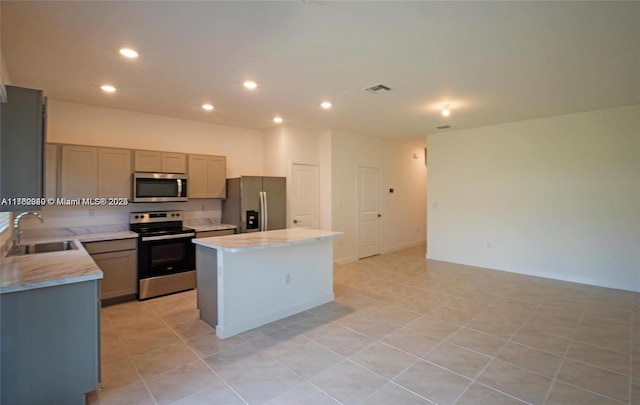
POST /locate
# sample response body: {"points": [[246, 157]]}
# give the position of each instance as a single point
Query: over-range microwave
{"points": [[159, 187]]}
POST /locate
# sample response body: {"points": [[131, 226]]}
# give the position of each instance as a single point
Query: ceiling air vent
{"points": [[378, 89], [443, 127]]}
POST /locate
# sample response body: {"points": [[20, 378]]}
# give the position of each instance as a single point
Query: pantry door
{"points": [[305, 203], [369, 212]]}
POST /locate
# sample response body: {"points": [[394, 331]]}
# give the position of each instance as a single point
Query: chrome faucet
{"points": [[16, 227]]}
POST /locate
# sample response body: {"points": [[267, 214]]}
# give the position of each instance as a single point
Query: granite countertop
{"points": [[265, 240], [19, 273], [212, 227], [206, 224]]}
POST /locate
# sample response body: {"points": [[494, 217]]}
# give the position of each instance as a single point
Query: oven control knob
{"points": [[178, 214], [136, 217], [173, 215]]}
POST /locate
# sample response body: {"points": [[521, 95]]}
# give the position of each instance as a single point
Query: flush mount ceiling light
{"points": [[207, 107], [326, 105], [129, 53], [277, 120], [250, 84], [445, 110], [108, 88]]}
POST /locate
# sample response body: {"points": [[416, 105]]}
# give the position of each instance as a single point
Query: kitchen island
{"points": [[250, 279]]}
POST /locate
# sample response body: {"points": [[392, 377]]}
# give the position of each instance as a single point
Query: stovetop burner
{"points": [[157, 223], [161, 231]]}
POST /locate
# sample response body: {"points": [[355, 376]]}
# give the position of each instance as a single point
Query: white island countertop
{"points": [[265, 240]]}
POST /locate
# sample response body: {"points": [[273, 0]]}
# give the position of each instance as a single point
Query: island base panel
{"points": [[239, 291]]}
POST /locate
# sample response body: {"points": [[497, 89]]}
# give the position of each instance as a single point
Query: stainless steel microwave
{"points": [[159, 187]]}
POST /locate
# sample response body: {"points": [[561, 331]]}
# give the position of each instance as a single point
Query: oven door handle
{"points": [[165, 237]]}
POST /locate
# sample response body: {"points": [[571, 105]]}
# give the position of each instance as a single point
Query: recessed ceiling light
{"points": [[277, 120], [445, 110], [326, 105], [207, 107], [108, 88], [128, 53], [250, 84]]}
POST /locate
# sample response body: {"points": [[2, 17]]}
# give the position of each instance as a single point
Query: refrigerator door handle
{"points": [[265, 214], [262, 210]]}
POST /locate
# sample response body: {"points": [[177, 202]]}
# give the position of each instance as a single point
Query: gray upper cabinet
{"points": [[22, 147], [90, 171], [79, 171], [114, 172], [51, 172], [160, 162], [207, 176]]}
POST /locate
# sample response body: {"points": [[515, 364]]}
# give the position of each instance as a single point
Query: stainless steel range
{"points": [[166, 256]]}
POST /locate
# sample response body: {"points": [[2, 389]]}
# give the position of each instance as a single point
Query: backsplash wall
{"points": [[78, 216]]}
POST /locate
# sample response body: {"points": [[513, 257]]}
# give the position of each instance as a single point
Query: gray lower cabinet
{"points": [[50, 344], [118, 261]]}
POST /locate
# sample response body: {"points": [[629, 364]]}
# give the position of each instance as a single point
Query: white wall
{"points": [[557, 197], [90, 125], [326, 186], [284, 145], [338, 155], [403, 212]]}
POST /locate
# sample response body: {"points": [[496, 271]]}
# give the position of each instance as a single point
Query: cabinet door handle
{"points": [[379, 215], [295, 221]]}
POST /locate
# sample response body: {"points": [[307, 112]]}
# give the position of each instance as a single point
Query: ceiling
{"points": [[493, 62]]}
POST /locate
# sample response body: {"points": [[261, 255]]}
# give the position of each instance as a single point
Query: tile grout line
{"points": [[566, 352], [144, 382], [184, 340], [301, 377], [200, 359], [495, 357], [365, 309]]}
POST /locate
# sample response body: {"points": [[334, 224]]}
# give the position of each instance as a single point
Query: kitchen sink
{"points": [[43, 248]]}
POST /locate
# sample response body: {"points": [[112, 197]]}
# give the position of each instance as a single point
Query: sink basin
{"points": [[43, 248]]}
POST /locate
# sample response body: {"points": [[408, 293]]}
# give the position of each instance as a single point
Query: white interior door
{"points": [[368, 211], [305, 211]]}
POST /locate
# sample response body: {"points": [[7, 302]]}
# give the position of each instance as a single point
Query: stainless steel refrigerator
{"points": [[256, 203]]}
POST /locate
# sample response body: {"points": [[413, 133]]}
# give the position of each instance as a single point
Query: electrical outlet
{"points": [[488, 245], [287, 279]]}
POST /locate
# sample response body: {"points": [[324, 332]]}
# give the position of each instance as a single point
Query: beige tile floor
{"points": [[403, 330]]}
